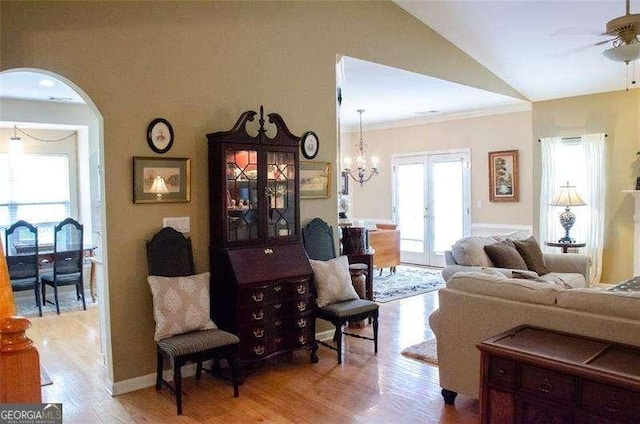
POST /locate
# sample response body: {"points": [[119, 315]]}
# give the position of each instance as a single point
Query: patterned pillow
{"points": [[180, 304], [333, 281]]}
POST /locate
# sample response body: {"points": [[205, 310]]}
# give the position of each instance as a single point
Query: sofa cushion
{"points": [[568, 280], [599, 301], [504, 255], [493, 283], [469, 251], [532, 255]]}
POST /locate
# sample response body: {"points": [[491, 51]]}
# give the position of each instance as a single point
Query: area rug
{"points": [[26, 305], [407, 281], [45, 380], [426, 351]]}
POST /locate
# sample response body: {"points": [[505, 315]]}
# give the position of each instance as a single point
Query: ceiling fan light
{"points": [[626, 53]]}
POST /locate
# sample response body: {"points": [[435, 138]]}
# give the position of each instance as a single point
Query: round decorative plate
{"points": [[310, 145]]}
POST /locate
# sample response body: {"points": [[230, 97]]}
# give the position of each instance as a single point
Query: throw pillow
{"points": [[504, 255], [532, 255], [333, 281], [180, 304]]}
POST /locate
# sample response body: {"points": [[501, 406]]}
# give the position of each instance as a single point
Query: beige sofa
{"points": [[477, 305], [468, 254]]}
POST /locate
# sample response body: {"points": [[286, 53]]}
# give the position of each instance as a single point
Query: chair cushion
{"points": [[532, 255], [196, 341], [348, 308], [180, 304], [504, 255], [333, 281], [62, 279]]}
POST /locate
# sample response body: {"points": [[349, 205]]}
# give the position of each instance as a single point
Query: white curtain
{"points": [[583, 166], [594, 153]]}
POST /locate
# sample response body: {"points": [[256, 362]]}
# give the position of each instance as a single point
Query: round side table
{"points": [[565, 246]]}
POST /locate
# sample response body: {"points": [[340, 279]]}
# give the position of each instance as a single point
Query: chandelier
{"points": [[361, 174]]}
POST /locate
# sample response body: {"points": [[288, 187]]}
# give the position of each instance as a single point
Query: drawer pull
{"points": [[546, 386], [612, 404], [258, 297], [258, 333], [302, 306], [277, 288], [302, 323], [302, 339], [302, 289], [259, 350], [501, 372], [258, 317], [277, 323], [268, 251], [277, 306], [278, 340]]}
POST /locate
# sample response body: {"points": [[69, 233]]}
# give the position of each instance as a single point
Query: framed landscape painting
{"points": [[315, 180], [503, 176], [161, 180]]}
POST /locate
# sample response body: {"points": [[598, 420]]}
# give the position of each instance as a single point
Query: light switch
{"points": [[179, 223], [479, 204]]}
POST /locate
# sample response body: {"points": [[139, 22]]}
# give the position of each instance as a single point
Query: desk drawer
{"points": [[556, 387], [610, 401], [502, 371]]}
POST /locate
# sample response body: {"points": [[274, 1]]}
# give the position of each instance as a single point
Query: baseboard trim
{"points": [[144, 381], [149, 380]]}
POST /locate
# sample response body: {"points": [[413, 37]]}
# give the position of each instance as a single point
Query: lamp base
{"points": [[566, 239], [567, 219]]}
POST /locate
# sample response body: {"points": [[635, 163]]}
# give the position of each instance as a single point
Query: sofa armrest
{"points": [[569, 262]]}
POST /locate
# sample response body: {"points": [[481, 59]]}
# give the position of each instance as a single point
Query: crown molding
{"points": [[441, 117]]}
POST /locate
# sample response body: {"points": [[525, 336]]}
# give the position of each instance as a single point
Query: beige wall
{"points": [[618, 115], [199, 65], [507, 131]]}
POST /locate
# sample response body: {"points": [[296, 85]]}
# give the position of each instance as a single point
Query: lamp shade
{"points": [[7, 306], [626, 53], [568, 196], [159, 187]]}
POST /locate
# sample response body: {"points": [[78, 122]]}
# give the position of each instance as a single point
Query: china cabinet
{"points": [[261, 284]]}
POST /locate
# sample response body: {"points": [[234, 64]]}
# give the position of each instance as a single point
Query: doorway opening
{"points": [[431, 198], [51, 120]]}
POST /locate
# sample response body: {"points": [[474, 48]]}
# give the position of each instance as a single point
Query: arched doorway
{"points": [[35, 100]]}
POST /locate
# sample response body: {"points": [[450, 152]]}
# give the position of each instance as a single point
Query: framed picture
{"points": [[161, 180], [315, 180], [344, 183], [160, 135], [503, 176]]}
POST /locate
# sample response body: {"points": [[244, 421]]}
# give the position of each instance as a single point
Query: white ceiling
{"points": [[543, 49], [29, 86]]}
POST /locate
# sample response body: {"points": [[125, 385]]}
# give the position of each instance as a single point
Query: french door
{"points": [[432, 199]]}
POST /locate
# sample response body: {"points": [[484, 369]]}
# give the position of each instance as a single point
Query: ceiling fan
{"points": [[626, 30]]}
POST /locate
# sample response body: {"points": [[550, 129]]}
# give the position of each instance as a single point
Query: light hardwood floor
{"points": [[382, 388]]}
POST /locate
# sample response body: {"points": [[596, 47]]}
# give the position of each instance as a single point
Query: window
{"points": [[36, 188], [581, 162]]}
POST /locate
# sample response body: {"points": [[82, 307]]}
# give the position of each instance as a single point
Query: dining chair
{"points": [[68, 259], [318, 242], [170, 259], [21, 241]]}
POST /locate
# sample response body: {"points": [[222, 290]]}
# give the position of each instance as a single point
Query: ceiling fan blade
{"points": [[570, 51], [605, 42]]}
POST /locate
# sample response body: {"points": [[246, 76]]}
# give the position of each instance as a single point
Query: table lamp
{"points": [[567, 197]]}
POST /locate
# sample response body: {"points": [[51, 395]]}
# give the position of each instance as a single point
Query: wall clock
{"points": [[309, 145], [160, 135]]}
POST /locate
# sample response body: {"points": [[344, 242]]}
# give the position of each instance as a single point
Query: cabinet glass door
{"points": [[281, 194], [242, 194]]}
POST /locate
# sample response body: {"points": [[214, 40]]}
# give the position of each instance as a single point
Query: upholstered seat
{"points": [[318, 242], [169, 254]]}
